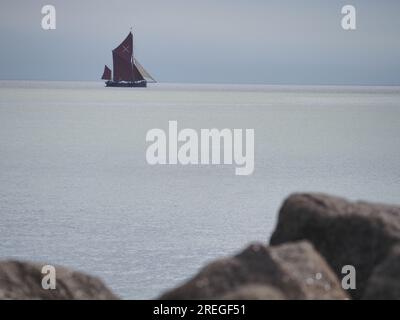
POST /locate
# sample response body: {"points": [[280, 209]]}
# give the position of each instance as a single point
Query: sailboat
{"points": [[128, 72]]}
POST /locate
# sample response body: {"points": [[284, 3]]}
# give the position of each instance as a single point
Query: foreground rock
{"points": [[292, 271], [21, 280], [384, 282], [254, 292], [345, 233]]}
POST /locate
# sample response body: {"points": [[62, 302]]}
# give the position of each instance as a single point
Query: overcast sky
{"points": [[207, 41]]}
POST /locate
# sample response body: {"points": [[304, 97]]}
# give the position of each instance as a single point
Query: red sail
{"points": [[125, 49], [106, 73], [137, 76], [124, 68], [122, 58]]}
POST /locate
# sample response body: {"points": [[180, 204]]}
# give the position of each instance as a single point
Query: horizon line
{"points": [[226, 83]]}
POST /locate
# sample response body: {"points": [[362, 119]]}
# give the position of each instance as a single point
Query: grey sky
{"points": [[236, 41]]}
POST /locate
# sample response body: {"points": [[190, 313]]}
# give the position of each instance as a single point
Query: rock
{"points": [[295, 271], [23, 280], [255, 292], [384, 283], [345, 233]]}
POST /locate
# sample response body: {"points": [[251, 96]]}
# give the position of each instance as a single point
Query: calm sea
{"points": [[75, 188]]}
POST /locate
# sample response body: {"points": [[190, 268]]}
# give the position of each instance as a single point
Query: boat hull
{"points": [[133, 84]]}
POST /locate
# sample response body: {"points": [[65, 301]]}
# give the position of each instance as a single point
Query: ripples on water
{"points": [[75, 188]]}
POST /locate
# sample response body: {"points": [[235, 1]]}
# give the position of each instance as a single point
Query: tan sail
{"points": [[143, 72]]}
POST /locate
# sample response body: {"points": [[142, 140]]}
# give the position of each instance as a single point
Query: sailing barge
{"points": [[128, 72]]}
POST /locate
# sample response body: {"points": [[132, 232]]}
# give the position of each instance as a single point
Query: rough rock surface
{"points": [[255, 292], [294, 271], [384, 282], [23, 280], [345, 233]]}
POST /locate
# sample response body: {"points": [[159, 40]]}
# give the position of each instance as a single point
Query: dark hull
{"points": [[138, 84]]}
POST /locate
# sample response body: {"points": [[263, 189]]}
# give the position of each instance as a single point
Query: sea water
{"points": [[76, 190]]}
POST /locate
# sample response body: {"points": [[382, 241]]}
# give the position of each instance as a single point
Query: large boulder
{"points": [[384, 283], [291, 271], [23, 280], [345, 233], [254, 292]]}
